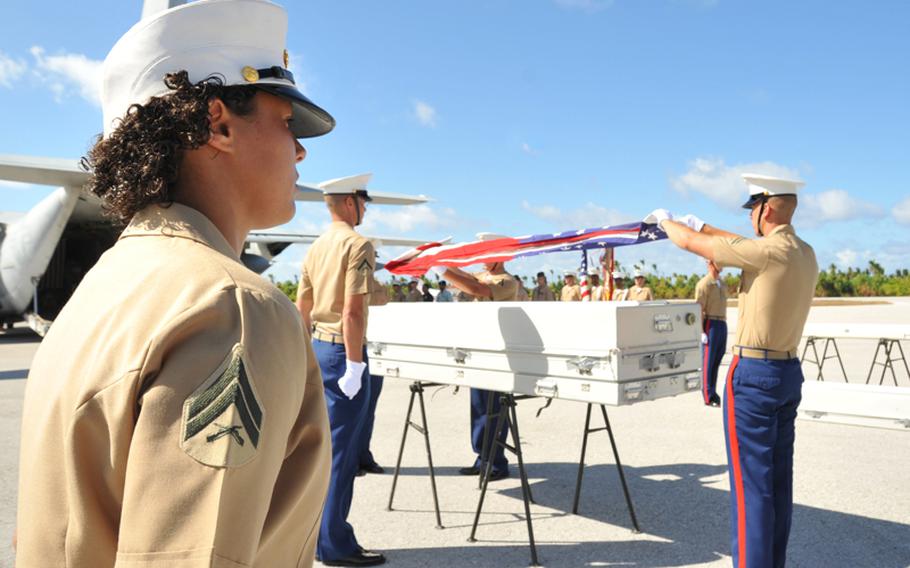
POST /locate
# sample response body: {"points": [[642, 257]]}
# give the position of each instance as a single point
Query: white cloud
{"points": [[589, 6], [591, 215], [406, 219], [833, 205], [67, 73], [10, 70], [723, 184], [295, 66], [847, 258], [526, 148], [425, 114], [901, 211]]}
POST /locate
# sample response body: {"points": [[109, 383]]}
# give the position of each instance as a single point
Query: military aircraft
{"points": [[45, 252]]}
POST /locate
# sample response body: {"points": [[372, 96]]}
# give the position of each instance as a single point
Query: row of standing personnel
{"points": [[571, 291]]}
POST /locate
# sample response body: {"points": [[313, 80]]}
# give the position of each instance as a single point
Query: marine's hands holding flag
{"points": [[658, 216]]}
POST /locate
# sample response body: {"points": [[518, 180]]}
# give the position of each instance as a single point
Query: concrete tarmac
{"points": [[851, 488]]}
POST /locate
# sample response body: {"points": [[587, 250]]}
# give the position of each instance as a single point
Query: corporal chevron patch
{"points": [[222, 419]]}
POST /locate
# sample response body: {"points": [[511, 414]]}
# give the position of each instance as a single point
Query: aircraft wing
{"points": [[310, 192], [288, 238], [60, 172]]}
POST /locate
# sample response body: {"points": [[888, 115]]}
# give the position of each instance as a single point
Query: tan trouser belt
{"points": [[758, 353], [328, 337]]}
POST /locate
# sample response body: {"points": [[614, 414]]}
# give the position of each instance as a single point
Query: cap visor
{"points": [[309, 120], [753, 200]]}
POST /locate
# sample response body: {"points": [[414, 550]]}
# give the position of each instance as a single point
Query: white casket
{"points": [[600, 352]]}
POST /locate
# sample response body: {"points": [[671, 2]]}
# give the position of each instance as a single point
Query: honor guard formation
{"points": [[182, 412]]}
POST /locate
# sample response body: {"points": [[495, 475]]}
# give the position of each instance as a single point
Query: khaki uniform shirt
{"points": [[174, 414], [597, 293], [379, 296], [620, 295], [414, 296], [571, 293], [712, 295], [640, 294], [338, 264], [778, 283], [398, 297], [522, 294], [542, 294], [504, 287]]}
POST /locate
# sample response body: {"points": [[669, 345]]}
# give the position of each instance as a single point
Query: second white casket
{"points": [[600, 352]]}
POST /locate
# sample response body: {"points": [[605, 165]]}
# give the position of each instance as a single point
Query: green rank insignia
{"points": [[222, 419]]}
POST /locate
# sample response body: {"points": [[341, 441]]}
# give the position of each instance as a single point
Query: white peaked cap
{"points": [[240, 41], [351, 185], [617, 275], [762, 186], [638, 272], [569, 273]]}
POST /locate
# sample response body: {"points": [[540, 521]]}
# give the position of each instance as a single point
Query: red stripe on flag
{"points": [[737, 467]]}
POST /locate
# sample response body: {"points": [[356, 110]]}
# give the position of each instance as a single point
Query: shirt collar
{"points": [[179, 221], [787, 228]]}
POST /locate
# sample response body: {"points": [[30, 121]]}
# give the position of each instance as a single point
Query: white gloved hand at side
{"points": [[704, 339], [692, 222], [351, 381], [658, 216]]}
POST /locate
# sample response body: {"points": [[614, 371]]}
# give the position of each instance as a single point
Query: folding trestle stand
{"points": [[888, 363], [820, 361], [581, 464], [417, 391], [491, 442]]}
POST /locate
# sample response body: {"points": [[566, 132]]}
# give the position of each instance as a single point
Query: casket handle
{"points": [[376, 348], [460, 355], [583, 365]]}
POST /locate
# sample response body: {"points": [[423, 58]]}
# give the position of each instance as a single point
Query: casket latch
{"points": [[652, 361], [583, 365], [460, 355], [376, 348]]}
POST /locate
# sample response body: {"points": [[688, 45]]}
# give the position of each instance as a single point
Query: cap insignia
{"points": [[250, 74]]}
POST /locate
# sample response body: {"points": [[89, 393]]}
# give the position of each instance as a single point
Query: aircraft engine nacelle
{"points": [[28, 246]]}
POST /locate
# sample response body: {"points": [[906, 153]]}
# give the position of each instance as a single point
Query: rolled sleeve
{"points": [[739, 252]]}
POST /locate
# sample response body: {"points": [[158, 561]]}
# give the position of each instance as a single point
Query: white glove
{"points": [[439, 270], [704, 339], [692, 222], [350, 381], [658, 216]]}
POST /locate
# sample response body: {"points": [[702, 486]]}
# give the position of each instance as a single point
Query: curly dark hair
{"points": [[138, 164]]}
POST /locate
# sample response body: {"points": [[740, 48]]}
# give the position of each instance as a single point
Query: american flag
{"points": [[417, 261], [585, 291]]}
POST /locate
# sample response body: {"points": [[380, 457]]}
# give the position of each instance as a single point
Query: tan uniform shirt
{"points": [[640, 294], [414, 296], [621, 295], [379, 296], [571, 293], [712, 295], [504, 287], [398, 297], [597, 294], [522, 294], [174, 414], [542, 294], [338, 264], [778, 283]]}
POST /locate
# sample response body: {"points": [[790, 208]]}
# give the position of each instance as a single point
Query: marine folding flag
{"points": [[417, 261]]}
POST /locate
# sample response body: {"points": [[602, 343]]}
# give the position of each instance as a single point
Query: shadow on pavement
{"points": [[673, 503]]}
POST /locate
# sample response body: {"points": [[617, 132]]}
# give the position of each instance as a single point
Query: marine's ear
{"points": [[220, 126]]}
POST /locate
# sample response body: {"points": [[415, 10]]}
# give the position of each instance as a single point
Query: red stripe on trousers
{"points": [[737, 469], [705, 371]]}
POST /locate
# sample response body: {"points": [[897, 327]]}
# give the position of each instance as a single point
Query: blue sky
{"points": [[545, 115]]}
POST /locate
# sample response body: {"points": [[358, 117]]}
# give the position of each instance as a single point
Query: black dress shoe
{"points": [[372, 468], [359, 558], [714, 400], [360, 473], [497, 475], [470, 470]]}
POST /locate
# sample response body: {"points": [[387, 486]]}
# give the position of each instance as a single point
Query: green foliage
{"points": [[833, 282]]}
